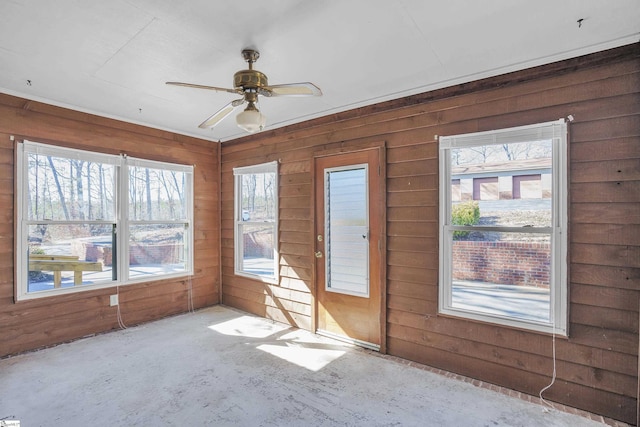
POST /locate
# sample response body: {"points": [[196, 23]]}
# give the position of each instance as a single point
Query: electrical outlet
{"points": [[113, 300]]}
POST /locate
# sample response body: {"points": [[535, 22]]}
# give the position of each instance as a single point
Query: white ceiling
{"points": [[112, 57]]}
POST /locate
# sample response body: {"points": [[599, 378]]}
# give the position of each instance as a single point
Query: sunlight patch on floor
{"points": [[312, 359], [248, 326]]}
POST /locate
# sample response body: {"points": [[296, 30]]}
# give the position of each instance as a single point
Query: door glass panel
{"points": [[347, 228]]}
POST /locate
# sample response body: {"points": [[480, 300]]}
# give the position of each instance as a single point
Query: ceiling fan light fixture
{"points": [[251, 119], [250, 84]]}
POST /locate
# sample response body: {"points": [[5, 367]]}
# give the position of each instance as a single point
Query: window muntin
{"points": [[74, 225], [508, 267], [256, 221]]}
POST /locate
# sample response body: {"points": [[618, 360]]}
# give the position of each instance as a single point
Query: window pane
{"points": [[62, 256], [69, 189], [156, 194], [156, 249], [258, 249], [511, 183], [505, 274], [258, 195]]}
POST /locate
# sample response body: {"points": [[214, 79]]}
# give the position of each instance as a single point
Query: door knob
{"points": [[318, 254]]}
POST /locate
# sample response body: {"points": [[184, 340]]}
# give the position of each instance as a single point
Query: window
{"points": [[159, 218], [503, 259], [89, 220], [256, 221]]}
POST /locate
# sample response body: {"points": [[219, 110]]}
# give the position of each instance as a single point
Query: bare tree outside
{"points": [[258, 195], [490, 153], [63, 203]]}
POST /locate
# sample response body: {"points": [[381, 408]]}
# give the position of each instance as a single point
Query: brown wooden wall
{"points": [[597, 365], [26, 325]]}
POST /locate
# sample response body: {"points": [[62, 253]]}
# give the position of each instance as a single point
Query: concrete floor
{"points": [[222, 367]]}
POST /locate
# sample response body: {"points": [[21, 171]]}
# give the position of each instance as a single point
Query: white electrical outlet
{"points": [[113, 300]]}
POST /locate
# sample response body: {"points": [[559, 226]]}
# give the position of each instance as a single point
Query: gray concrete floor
{"points": [[222, 367]]}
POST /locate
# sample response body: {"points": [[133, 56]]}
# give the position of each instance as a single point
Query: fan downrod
{"points": [[250, 81], [251, 56]]}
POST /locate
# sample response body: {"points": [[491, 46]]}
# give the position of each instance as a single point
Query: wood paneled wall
{"points": [[597, 366], [31, 324]]}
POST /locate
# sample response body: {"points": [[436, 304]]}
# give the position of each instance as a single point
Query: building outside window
{"points": [[88, 220], [256, 221], [503, 226]]}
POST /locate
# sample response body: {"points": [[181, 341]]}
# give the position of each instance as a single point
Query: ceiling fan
{"points": [[250, 84]]}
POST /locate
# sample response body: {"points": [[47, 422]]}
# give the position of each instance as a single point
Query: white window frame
{"points": [[239, 222], [120, 216], [555, 131]]}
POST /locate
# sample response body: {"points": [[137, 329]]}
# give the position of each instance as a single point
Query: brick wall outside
{"points": [[258, 244], [512, 263], [168, 253]]}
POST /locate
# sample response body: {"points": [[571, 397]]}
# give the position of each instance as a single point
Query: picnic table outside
{"points": [[60, 263]]}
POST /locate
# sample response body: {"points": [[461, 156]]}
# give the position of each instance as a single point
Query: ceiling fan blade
{"points": [[293, 89], [217, 89], [221, 114]]}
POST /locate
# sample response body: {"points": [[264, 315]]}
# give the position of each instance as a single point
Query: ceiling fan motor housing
{"points": [[249, 79]]}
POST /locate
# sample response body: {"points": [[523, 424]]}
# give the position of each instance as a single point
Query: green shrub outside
{"points": [[35, 276], [36, 251], [466, 213]]}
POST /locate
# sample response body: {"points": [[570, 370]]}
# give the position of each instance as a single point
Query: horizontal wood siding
{"points": [[597, 365], [31, 324]]}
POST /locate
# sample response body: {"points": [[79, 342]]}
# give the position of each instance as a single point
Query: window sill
{"points": [[500, 321], [72, 290], [270, 280]]}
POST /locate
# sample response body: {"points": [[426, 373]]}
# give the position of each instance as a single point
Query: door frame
{"points": [[380, 199]]}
